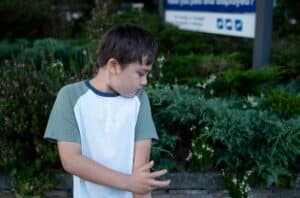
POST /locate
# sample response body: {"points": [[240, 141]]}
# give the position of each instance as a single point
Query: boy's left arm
{"points": [[142, 149]]}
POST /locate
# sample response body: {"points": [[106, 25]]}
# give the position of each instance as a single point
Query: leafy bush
{"points": [[272, 143], [170, 106], [193, 68], [27, 95], [286, 104], [43, 51], [244, 82], [286, 54], [216, 131]]}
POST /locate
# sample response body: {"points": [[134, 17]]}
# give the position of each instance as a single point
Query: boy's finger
{"points": [[160, 184], [158, 173], [147, 166]]}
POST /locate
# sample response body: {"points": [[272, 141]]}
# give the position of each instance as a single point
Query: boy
{"points": [[103, 126]]}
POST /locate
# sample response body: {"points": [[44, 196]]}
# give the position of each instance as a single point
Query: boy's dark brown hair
{"points": [[127, 43]]}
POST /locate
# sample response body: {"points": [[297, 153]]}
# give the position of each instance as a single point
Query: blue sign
{"points": [[231, 6], [238, 24], [227, 17], [220, 23]]}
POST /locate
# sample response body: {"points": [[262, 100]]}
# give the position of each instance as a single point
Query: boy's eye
{"points": [[141, 74]]}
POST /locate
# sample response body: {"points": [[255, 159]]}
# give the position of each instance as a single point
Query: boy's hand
{"points": [[143, 181]]}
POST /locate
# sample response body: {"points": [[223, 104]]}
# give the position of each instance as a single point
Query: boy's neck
{"points": [[99, 82]]}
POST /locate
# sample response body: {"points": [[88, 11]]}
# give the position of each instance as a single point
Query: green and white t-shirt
{"points": [[106, 125]]}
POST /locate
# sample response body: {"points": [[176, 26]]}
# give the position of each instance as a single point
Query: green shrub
{"points": [[284, 103], [201, 155], [27, 95], [286, 54], [45, 51], [172, 113], [193, 68], [244, 82], [237, 185], [212, 133], [272, 143], [8, 49]]}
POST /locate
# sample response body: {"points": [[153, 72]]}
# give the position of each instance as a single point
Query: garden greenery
{"points": [[212, 112]]}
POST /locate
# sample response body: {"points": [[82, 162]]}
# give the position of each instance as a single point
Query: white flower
{"points": [[188, 158], [161, 59], [211, 79], [251, 101], [161, 74], [234, 180], [192, 128], [198, 84]]}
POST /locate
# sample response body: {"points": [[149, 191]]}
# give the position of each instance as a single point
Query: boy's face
{"points": [[129, 80]]}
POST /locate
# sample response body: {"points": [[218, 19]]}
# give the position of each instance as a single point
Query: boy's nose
{"points": [[144, 81]]}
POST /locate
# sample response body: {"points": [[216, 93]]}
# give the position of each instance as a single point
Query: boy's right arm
{"points": [[141, 181]]}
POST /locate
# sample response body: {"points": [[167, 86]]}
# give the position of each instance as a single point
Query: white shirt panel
{"points": [[107, 129]]}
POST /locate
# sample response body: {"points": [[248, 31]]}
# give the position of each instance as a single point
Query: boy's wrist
{"points": [[142, 195], [125, 182]]}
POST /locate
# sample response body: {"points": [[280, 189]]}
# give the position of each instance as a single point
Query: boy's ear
{"points": [[113, 66]]}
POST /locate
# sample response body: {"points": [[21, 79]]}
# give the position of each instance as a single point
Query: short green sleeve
{"points": [[145, 128], [62, 123]]}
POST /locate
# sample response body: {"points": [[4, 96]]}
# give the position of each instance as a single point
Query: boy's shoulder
{"points": [[74, 87], [73, 90]]}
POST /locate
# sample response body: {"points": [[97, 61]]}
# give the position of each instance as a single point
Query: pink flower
{"points": [[16, 83], [20, 65]]}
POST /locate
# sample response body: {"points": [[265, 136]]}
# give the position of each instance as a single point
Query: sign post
{"points": [[263, 33]]}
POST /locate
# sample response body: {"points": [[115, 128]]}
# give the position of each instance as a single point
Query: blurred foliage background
{"points": [[211, 109]]}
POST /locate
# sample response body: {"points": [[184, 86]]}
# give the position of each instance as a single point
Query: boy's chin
{"points": [[128, 95]]}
